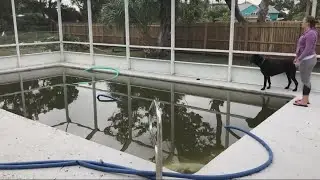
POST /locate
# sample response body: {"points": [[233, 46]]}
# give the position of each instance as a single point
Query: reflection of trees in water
{"points": [[194, 139], [12, 103], [38, 101], [215, 105]]}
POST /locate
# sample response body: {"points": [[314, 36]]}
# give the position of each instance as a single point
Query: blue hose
{"points": [[112, 168]]}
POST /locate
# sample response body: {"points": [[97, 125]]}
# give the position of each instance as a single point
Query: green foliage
{"points": [[96, 6], [192, 12], [68, 47], [218, 13], [296, 11], [70, 14], [141, 13], [5, 15], [282, 5], [33, 22], [112, 13]]}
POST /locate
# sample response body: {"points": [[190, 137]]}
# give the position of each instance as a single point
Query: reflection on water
{"points": [[193, 117]]}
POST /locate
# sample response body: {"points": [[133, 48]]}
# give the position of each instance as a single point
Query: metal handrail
{"points": [[158, 146]]}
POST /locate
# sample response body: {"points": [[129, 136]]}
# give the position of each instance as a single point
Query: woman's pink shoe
{"points": [[299, 100]]}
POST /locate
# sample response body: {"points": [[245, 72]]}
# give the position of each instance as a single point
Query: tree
{"points": [[191, 12], [300, 10], [219, 13], [112, 14], [295, 11], [96, 6], [283, 6], [263, 10], [142, 13], [308, 7], [238, 14], [70, 14], [5, 16]]}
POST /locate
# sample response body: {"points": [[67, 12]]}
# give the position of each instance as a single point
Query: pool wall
{"points": [[239, 74]]}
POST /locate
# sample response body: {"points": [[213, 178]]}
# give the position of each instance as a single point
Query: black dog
{"points": [[271, 68]]}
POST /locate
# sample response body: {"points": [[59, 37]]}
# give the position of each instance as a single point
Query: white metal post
{"points": [[173, 35], [233, 4], [90, 31], [314, 8], [60, 30], [127, 26], [14, 17], [172, 117], [65, 94], [130, 118], [94, 94], [22, 96], [226, 144]]}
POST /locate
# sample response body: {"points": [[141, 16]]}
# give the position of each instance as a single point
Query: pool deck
{"points": [[26, 140], [293, 133]]}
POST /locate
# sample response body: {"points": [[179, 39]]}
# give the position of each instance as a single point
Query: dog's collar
{"points": [[262, 62]]}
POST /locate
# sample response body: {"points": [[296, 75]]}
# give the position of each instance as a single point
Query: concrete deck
{"points": [[292, 132], [26, 140]]}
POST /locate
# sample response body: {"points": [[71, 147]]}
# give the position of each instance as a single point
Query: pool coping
{"points": [[219, 84]]}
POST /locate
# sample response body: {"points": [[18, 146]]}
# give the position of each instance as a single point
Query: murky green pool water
{"points": [[193, 116]]}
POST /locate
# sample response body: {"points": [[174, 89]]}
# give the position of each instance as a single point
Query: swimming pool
{"points": [[193, 116]]}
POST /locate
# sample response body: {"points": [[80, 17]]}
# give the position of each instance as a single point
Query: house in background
{"points": [[250, 12]]}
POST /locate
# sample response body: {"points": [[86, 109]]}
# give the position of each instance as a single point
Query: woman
{"points": [[306, 57]]}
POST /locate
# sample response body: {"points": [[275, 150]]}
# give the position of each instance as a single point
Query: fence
{"points": [[267, 37]]}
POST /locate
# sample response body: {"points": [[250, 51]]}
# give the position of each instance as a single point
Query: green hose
{"points": [[116, 73]]}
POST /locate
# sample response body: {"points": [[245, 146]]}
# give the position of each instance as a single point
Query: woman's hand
{"points": [[296, 61]]}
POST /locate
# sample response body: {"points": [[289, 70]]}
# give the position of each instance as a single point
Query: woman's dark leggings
{"points": [[306, 67]]}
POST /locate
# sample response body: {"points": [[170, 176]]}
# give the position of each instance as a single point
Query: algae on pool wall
{"points": [[187, 166]]}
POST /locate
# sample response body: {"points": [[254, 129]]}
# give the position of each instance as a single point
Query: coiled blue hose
{"points": [[112, 168]]}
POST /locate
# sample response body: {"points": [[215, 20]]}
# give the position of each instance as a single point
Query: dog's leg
{"points": [[289, 81], [295, 82], [263, 101], [264, 83], [269, 81]]}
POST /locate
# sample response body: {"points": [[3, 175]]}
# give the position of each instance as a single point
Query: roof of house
{"points": [[273, 10], [245, 5]]}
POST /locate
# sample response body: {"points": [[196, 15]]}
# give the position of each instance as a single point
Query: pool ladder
{"points": [[158, 146]]}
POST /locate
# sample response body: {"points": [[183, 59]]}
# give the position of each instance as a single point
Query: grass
{"points": [[8, 51]]}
